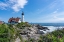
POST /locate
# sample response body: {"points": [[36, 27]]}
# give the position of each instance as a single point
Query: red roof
{"points": [[13, 19], [1, 22]]}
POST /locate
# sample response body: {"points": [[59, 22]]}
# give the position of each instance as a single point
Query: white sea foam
{"points": [[52, 28]]}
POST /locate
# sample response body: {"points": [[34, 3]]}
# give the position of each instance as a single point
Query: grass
{"points": [[55, 36], [7, 33]]}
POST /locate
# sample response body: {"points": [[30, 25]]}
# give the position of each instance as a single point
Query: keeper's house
{"points": [[14, 20]]}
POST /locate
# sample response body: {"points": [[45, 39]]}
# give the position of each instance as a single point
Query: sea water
{"points": [[51, 26]]}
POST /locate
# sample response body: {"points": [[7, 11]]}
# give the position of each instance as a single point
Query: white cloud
{"points": [[55, 4], [16, 5], [54, 18], [19, 4], [54, 13], [52, 5], [3, 5]]}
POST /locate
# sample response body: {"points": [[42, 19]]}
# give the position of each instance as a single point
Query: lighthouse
{"points": [[22, 19]]}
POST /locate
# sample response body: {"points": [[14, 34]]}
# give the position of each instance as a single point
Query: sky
{"points": [[36, 11]]}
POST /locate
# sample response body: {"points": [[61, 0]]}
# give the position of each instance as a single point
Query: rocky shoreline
{"points": [[33, 32]]}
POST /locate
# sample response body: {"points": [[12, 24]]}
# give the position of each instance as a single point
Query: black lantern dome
{"points": [[22, 13]]}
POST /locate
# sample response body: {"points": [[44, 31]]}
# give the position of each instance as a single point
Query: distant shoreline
{"points": [[50, 24]]}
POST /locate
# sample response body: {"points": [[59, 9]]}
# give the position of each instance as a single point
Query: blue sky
{"points": [[40, 11]]}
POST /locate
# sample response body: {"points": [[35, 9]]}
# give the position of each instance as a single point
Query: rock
{"points": [[23, 33], [33, 32], [17, 39]]}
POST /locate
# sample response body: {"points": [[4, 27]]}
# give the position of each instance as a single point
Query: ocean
{"points": [[51, 26]]}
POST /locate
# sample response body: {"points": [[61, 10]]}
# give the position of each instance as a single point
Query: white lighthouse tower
{"points": [[22, 19]]}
